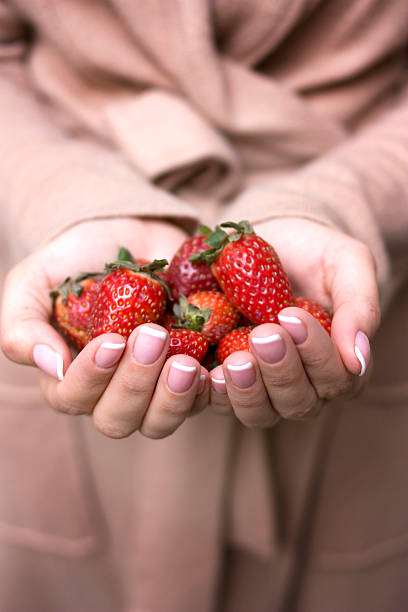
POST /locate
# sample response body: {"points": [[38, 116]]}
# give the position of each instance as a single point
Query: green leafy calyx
{"points": [[74, 286], [150, 270], [218, 240], [189, 316]]}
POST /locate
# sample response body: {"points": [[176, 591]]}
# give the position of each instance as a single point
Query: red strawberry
{"points": [[187, 342], [249, 272], [236, 340], [73, 301], [185, 277], [314, 308], [184, 327], [128, 295], [224, 317]]}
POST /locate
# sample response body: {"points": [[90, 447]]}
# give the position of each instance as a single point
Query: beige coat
{"points": [[207, 110]]}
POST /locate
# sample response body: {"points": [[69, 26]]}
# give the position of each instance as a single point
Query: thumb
{"points": [[353, 287], [26, 334]]}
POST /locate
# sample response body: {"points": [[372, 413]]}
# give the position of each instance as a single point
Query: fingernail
{"points": [[201, 384], [218, 385], [180, 377], [270, 349], [242, 375], [48, 361], [149, 344], [109, 353], [295, 327], [362, 350]]}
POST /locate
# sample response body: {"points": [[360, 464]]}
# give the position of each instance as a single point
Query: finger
{"points": [[247, 392], [352, 283], [203, 393], [285, 379], [219, 398], [26, 335], [320, 357], [87, 377], [173, 398], [120, 410]]}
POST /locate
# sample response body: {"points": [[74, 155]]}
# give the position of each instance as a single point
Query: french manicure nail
{"points": [[201, 384], [109, 353], [362, 351], [242, 375], [295, 327], [218, 385], [270, 349], [180, 377], [48, 361], [149, 344]]}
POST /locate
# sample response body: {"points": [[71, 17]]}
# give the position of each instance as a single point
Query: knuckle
{"points": [[308, 412], [137, 385], [286, 380], [298, 405], [175, 409], [156, 434], [336, 389], [112, 430], [263, 421], [65, 404]]}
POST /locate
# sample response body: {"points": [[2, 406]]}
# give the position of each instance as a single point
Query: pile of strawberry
{"points": [[217, 287]]}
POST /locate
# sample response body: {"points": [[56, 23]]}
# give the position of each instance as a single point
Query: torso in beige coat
{"points": [[286, 108]]}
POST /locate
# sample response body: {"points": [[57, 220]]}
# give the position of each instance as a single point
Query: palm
{"points": [[310, 253]]}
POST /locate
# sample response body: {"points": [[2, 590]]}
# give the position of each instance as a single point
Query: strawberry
{"points": [[128, 295], [314, 308], [184, 327], [187, 342], [224, 317], [185, 277], [236, 340], [249, 272], [73, 301]]}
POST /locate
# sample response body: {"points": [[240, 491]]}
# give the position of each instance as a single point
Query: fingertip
{"points": [[352, 341]]}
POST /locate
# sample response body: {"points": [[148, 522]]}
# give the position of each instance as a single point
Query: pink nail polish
{"points": [[180, 377], [295, 327], [109, 353], [219, 385], [242, 374], [362, 351], [149, 344], [270, 349], [48, 361], [201, 384]]}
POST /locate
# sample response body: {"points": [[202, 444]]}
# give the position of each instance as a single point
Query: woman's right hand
{"points": [[125, 385]]}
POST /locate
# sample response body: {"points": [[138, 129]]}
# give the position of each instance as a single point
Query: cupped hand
{"points": [[294, 367], [126, 386]]}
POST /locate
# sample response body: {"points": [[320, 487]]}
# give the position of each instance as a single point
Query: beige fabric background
{"points": [[207, 110]]}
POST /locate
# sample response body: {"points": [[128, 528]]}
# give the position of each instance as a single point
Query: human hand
{"points": [[295, 367], [124, 385]]}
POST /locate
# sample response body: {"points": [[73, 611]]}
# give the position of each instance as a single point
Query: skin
{"points": [[129, 396], [338, 272]]}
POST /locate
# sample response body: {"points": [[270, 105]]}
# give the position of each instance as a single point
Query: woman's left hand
{"points": [[294, 367]]}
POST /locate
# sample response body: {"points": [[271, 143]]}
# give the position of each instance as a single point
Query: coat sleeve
{"points": [[50, 181], [359, 187]]}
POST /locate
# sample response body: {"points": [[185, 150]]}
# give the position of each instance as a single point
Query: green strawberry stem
{"points": [[69, 285], [125, 255], [155, 266], [218, 239], [189, 316]]}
